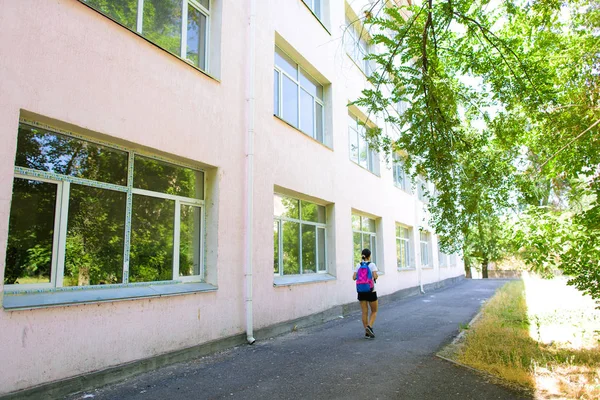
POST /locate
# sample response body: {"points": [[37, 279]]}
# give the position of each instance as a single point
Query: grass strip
{"points": [[502, 344]]}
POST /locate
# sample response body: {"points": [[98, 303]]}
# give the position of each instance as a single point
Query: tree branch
{"points": [[568, 144]]}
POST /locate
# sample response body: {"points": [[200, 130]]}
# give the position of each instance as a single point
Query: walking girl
{"points": [[365, 275]]}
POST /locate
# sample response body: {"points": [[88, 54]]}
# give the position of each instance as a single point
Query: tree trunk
{"points": [[484, 269], [468, 271]]}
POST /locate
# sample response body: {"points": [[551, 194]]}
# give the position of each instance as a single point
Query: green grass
{"points": [[33, 279], [543, 336]]}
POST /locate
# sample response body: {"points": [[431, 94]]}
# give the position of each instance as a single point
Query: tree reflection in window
{"points": [[161, 23], [299, 236], [30, 234], [92, 179], [95, 236], [43, 150], [363, 236]]}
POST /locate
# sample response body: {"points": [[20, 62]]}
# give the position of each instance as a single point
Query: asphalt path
{"points": [[335, 361]]}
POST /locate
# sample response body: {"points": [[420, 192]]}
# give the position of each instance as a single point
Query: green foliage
{"points": [[504, 110], [566, 240]]}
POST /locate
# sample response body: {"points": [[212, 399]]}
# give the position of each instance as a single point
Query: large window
{"points": [[299, 236], [178, 26], [403, 253], [298, 98], [85, 214], [357, 46], [360, 152], [364, 237], [400, 178], [315, 7], [425, 242]]}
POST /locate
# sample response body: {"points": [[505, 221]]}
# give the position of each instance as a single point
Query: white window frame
{"points": [[372, 236], [63, 183], [400, 178], [406, 242], [318, 227], [311, 5], [185, 4], [357, 129], [425, 247], [316, 100], [199, 7]]}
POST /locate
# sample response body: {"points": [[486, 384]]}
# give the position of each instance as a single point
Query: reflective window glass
{"points": [[30, 233], [368, 224], [286, 207], [310, 85], [43, 150], [353, 140], [319, 122], [276, 225], [152, 225], [291, 248], [162, 24], [289, 94], [356, 222], [163, 177], [317, 8], [321, 250], [294, 255], [309, 249], [190, 240], [124, 12], [357, 244], [286, 63], [196, 37], [95, 236], [373, 247], [362, 152], [307, 113], [313, 212], [276, 93]]}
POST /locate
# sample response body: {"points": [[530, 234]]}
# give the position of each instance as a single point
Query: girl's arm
{"points": [[354, 276], [375, 276]]}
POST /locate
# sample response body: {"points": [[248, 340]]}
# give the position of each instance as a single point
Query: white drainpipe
{"points": [[250, 175]]}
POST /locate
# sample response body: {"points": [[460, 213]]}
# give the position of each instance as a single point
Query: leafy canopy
{"points": [[502, 116]]}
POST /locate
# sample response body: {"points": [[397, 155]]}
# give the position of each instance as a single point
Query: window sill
{"points": [[407, 269], [26, 301], [301, 279], [302, 132], [427, 267]]}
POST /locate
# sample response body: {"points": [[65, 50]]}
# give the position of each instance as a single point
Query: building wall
{"points": [[65, 65]]}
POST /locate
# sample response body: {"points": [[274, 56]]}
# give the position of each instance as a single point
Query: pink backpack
{"points": [[364, 278]]}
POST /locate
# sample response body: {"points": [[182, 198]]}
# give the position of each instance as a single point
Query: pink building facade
{"points": [[178, 172]]}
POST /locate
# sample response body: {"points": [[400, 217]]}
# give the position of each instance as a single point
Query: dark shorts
{"points": [[368, 296]]}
